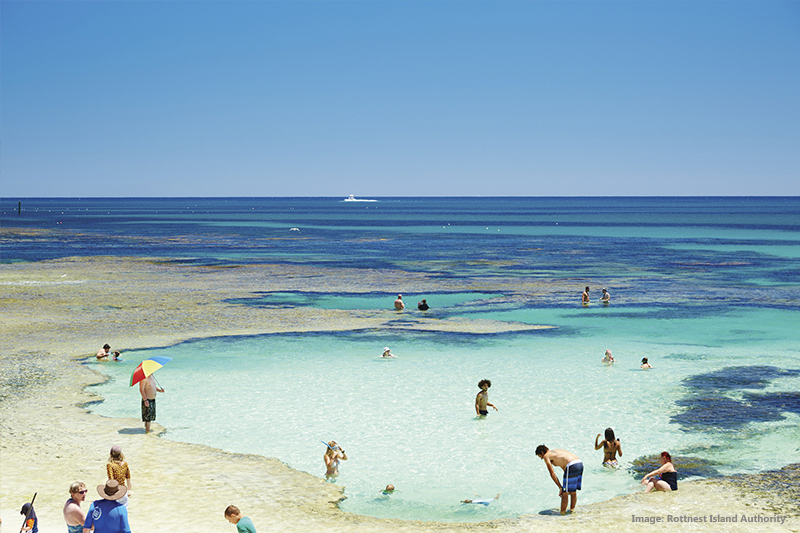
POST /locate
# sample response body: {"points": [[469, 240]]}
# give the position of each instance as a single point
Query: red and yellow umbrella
{"points": [[147, 367]]}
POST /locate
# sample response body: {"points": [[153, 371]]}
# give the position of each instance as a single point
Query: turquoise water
{"points": [[707, 288], [410, 421]]}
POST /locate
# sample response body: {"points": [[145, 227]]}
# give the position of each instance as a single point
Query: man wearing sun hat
{"points": [[108, 515]]}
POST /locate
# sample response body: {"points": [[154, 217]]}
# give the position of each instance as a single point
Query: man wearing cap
{"points": [[108, 515]]}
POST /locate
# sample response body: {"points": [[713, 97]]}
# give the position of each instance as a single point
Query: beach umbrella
{"points": [[147, 367]]}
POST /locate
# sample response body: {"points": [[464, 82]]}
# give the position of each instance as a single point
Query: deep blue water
{"points": [[548, 237]]}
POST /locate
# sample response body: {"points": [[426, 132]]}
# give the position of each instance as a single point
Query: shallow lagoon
{"points": [[410, 421]]}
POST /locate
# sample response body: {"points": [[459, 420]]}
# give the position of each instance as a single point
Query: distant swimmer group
{"points": [[586, 300], [105, 352]]}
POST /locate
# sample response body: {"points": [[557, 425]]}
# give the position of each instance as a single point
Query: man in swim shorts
{"points": [[148, 389], [573, 473], [585, 296]]}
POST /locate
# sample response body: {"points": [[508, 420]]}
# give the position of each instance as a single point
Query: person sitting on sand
{"points": [[423, 305], [663, 478], [243, 524], [573, 474], [608, 358], [73, 514], [387, 353], [611, 447], [332, 457], [482, 501], [118, 469], [482, 399], [399, 305], [605, 298], [645, 364]]}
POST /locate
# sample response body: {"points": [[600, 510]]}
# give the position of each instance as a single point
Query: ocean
{"points": [[707, 288]]}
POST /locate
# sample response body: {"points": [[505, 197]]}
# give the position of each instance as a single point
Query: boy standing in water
{"points": [[482, 399], [573, 473]]}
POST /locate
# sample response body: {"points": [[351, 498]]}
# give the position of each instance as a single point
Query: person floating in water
{"points": [[573, 473], [605, 298], [423, 305], [663, 478], [332, 457], [482, 399], [585, 296], [388, 490], [482, 501], [399, 305], [611, 447], [608, 358], [645, 364], [387, 353]]}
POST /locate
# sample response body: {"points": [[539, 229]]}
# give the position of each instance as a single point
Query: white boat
{"points": [[352, 198]]}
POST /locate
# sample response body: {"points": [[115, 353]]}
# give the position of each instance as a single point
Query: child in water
{"points": [[482, 399]]}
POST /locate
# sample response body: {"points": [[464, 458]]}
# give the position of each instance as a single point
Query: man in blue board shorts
{"points": [[573, 472]]}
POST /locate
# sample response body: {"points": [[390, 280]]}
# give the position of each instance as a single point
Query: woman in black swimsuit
{"points": [[664, 478]]}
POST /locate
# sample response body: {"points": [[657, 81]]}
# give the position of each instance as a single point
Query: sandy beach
{"points": [[56, 314]]}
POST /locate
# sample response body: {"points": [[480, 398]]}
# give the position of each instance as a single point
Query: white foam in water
{"points": [[411, 421]]}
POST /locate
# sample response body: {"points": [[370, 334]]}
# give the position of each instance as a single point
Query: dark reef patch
{"points": [[686, 465], [738, 377], [717, 412]]}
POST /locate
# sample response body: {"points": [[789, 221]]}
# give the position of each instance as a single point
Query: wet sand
{"points": [[56, 314]]}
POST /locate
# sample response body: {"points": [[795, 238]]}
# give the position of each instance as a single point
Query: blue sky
{"points": [[384, 98]]}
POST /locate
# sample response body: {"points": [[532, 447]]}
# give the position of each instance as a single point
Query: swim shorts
{"points": [[572, 476], [149, 411], [75, 529], [484, 413]]}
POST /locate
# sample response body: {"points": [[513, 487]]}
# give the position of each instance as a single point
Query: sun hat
{"points": [[116, 450], [112, 490], [386, 349]]}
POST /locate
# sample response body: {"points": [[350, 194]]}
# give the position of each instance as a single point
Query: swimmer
{"points": [[645, 364], [399, 305], [605, 298], [388, 490], [611, 447], [482, 502], [608, 357], [585, 296], [482, 399], [104, 352], [387, 353], [332, 457], [423, 305]]}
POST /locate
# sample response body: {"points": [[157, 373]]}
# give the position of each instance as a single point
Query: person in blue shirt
{"points": [[243, 524], [108, 515]]}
